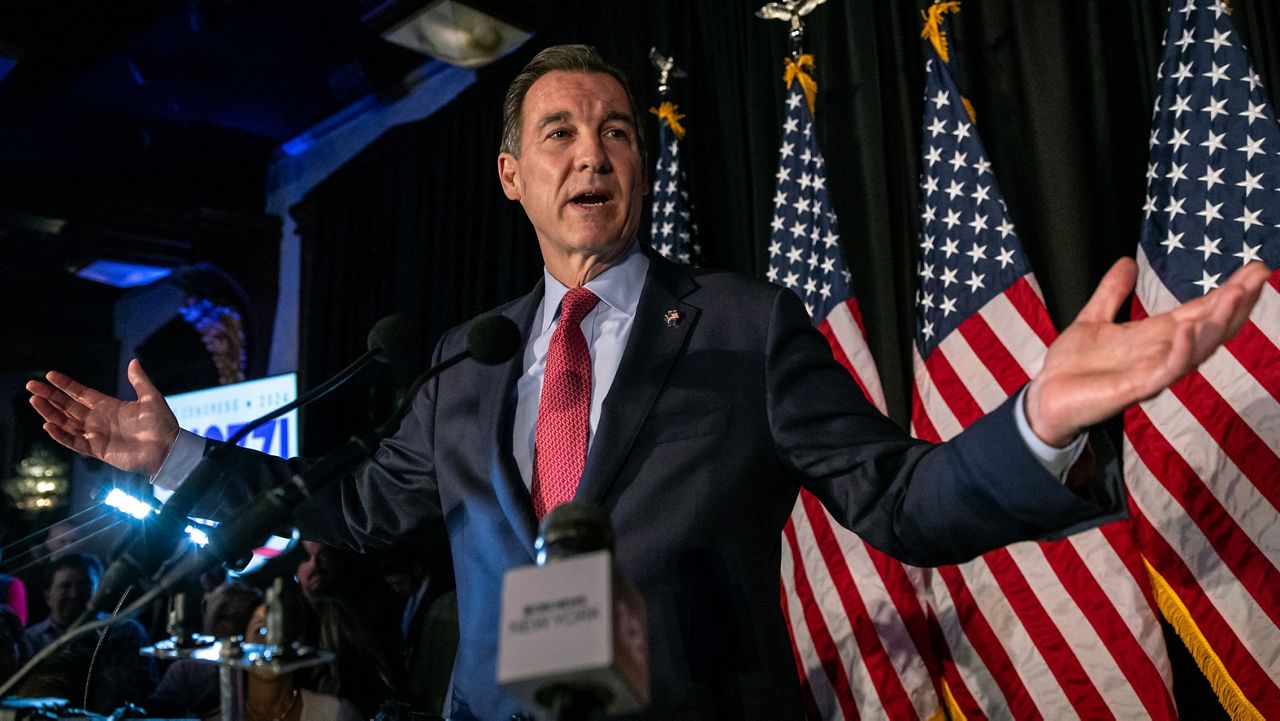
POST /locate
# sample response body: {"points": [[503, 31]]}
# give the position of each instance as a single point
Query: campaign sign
{"points": [[218, 413]]}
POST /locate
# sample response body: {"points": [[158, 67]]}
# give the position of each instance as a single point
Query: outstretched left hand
{"points": [[1098, 367]]}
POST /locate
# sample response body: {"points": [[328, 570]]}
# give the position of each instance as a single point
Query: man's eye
{"points": [[558, 134]]}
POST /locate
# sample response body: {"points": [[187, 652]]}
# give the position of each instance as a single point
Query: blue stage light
{"points": [[121, 274]]}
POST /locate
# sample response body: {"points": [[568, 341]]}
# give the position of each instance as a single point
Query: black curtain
{"points": [[1062, 92]]}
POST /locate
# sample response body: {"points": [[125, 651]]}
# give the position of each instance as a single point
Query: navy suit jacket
{"points": [[709, 430]]}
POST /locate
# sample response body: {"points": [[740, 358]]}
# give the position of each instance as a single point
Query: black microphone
{"points": [[392, 339], [573, 633], [490, 341]]}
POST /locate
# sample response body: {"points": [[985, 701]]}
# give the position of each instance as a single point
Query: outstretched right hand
{"points": [[131, 435]]}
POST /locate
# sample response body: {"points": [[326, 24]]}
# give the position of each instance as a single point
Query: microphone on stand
{"points": [[573, 633], [491, 340], [392, 339]]}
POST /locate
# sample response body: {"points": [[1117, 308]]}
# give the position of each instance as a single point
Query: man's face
{"points": [[322, 571], [579, 175], [68, 595]]}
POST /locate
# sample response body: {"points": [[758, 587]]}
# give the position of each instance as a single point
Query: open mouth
{"points": [[590, 200]]}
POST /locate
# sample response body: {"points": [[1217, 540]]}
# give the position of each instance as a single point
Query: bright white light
{"points": [[198, 537], [126, 503]]}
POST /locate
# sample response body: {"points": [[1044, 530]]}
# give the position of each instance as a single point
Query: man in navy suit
{"points": [[712, 400]]}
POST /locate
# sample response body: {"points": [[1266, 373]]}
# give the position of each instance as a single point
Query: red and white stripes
{"points": [[858, 624], [1061, 629], [1202, 461]]}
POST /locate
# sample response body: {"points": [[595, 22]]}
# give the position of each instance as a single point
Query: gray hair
{"points": [[569, 58]]}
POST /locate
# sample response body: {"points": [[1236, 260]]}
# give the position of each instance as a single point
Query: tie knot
{"points": [[577, 303]]}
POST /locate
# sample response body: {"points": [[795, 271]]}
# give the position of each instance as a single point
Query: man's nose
{"points": [[591, 155]]}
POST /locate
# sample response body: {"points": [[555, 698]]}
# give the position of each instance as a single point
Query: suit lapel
{"points": [[652, 348], [496, 411]]}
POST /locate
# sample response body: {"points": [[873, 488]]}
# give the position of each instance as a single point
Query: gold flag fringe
{"points": [[953, 711], [933, 26], [669, 113], [1229, 694], [801, 68]]}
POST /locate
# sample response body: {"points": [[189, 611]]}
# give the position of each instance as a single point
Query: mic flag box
{"points": [[577, 625]]}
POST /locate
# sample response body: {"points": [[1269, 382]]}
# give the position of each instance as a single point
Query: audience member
{"points": [[13, 593], [190, 687], [420, 571], [367, 667], [13, 645], [286, 697], [107, 664]]}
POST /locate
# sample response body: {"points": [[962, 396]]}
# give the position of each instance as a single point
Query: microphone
{"points": [[490, 341], [573, 633], [392, 339], [493, 339]]}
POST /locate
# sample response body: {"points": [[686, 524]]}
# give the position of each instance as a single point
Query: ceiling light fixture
{"points": [[457, 34]]}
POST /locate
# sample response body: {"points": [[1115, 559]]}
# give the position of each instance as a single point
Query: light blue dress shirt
{"points": [[606, 329]]}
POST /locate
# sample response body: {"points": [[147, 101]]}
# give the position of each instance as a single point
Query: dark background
{"points": [[151, 127]]}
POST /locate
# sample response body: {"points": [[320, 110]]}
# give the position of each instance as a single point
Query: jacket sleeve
{"points": [[924, 504]]}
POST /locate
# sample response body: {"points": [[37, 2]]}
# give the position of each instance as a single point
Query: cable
{"points": [[102, 637], [105, 511], [80, 542], [39, 531]]}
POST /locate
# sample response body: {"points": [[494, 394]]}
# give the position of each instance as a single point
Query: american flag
{"points": [[672, 230], [857, 622], [1061, 629], [1202, 459]]}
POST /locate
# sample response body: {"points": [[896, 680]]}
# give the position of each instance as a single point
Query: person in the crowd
{"points": [[692, 405], [13, 594], [366, 670], [13, 643], [329, 571], [190, 687], [288, 697], [420, 572], [108, 664]]}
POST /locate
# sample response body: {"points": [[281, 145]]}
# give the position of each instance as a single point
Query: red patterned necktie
{"points": [[564, 412]]}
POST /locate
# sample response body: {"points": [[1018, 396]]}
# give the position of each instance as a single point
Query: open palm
{"points": [[1098, 367], [130, 435]]}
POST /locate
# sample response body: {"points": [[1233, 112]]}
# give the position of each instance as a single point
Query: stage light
{"points": [[457, 34], [140, 510], [123, 275], [127, 504], [197, 536]]}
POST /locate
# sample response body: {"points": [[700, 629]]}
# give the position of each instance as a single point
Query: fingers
{"points": [[52, 414], [1111, 293], [1249, 279], [1218, 316], [79, 392], [73, 441], [141, 382], [56, 399]]}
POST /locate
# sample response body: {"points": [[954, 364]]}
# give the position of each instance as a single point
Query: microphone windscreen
{"points": [[574, 528], [493, 339], [394, 339]]}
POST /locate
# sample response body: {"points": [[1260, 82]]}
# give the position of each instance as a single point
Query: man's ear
{"points": [[509, 175]]}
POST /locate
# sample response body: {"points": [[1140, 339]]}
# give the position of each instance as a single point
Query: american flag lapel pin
{"points": [[673, 318]]}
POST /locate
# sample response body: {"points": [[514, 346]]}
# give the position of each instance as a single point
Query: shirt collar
{"points": [[618, 287]]}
